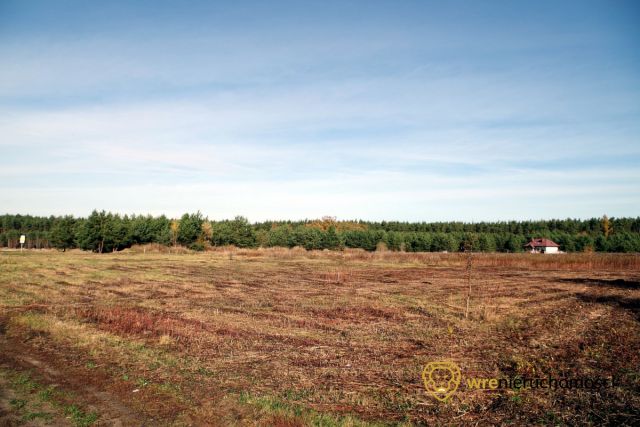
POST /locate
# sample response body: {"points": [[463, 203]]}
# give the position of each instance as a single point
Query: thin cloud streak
{"points": [[381, 116]]}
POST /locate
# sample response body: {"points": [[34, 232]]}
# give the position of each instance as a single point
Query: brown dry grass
{"points": [[290, 337]]}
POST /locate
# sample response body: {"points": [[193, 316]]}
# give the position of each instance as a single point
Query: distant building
{"points": [[542, 246]]}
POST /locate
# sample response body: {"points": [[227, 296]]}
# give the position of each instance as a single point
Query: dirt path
{"points": [[51, 370]]}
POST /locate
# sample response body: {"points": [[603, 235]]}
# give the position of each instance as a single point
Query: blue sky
{"points": [[403, 110]]}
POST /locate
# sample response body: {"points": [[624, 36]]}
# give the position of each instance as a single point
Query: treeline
{"points": [[106, 232]]}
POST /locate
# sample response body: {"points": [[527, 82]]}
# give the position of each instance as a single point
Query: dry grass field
{"points": [[289, 337]]}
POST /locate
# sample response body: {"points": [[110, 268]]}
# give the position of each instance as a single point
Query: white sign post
{"points": [[23, 238]]}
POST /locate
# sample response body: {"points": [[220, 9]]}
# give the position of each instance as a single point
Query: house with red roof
{"points": [[542, 246]]}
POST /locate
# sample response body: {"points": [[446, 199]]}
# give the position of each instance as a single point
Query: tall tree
{"points": [[175, 226], [606, 226], [95, 233], [190, 228], [63, 234], [331, 239]]}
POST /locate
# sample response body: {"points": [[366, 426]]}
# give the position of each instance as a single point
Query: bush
{"points": [[198, 247]]}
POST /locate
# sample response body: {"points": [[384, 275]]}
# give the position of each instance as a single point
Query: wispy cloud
{"points": [[371, 120]]}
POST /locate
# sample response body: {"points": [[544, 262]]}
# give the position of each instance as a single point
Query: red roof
{"points": [[540, 243]]}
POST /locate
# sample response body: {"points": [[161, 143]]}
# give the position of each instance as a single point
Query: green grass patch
{"points": [[79, 417], [33, 395], [277, 407], [37, 415], [17, 404]]}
